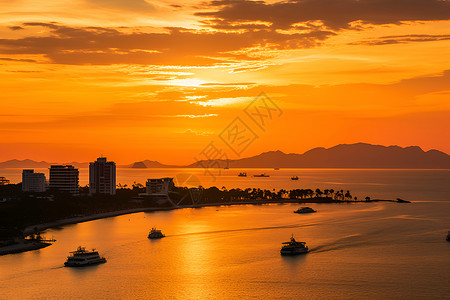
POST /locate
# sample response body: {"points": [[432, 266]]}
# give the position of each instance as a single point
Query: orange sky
{"points": [[160, 80]]}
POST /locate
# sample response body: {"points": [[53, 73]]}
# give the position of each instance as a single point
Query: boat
{"points": [[242, 174], [448, 236], [304, 210], [294, 178], [261, 175], [293, 247], [155, 234], [82, 257], [276, 169]]}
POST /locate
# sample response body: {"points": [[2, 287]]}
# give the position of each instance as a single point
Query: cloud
{"points": [[100, 46], [195, 116], [229, 84], [128, 5], [403, 39], [234, 101], [197, 133], [22, 71], [334, 14], [124, 114], [15, 59], [14, 28]]}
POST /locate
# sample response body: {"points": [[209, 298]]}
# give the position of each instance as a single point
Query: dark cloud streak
{"points": [[18, 60], [403, 39], [335, 14], [96, 45], [128, 5], [14, 28]]}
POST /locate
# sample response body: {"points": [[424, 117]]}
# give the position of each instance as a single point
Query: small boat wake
{"points": [[353, 241], [349, 241], [247, 229]]}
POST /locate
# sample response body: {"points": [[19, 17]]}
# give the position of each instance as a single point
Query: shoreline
{"points": [[24, 246], [80, 219]]}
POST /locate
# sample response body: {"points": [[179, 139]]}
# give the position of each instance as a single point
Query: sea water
{"points": [[379, 250]]}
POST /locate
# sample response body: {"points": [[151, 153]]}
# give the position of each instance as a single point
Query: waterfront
{"points": [[383, 184], [376, 250]]}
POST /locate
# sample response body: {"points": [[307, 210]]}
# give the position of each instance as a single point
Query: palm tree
{"points": [[318, 193], [347, 195]]}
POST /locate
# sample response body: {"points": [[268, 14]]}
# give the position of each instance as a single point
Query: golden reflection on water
{"points": [[233, 252]]}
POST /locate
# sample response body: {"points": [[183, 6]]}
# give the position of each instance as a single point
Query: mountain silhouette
{"points": [[31, 164], [358, 155], [148, 164]]}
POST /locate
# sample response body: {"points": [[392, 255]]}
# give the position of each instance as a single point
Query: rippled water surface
{"points": [[373, 250]]}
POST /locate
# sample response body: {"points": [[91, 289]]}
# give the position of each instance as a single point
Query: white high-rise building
{"points": [[64, 178], [102, 177], [33, 182]]}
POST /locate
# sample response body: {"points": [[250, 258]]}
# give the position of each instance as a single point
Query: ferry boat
{"points": [[261, 175], [242, 174], [304, 210], [155, 234], [82, 257], [294, 178], [293, 247]]}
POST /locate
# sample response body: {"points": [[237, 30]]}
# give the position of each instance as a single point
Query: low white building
{"points": [[158, 189], [33, 182], [159, 186]]}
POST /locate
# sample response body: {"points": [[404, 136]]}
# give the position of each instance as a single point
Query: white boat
{"points": [[304, 210], [293, 247], [82, 257], [294, 178], [242, 174], [155, 234]]}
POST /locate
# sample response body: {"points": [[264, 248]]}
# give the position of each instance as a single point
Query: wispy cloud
{"points": [[403, 39], [197, 133]]}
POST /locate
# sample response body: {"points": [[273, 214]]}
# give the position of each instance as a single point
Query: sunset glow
{"points": [[159, 80]]}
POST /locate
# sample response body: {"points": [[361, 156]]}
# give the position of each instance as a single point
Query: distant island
{"points": [[32, 164], [352, 156], [149, 164]]}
